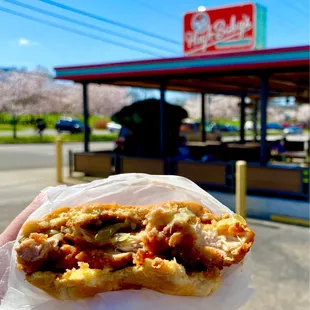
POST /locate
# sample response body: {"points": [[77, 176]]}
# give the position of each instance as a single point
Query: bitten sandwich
{"points": [[176, 248]]}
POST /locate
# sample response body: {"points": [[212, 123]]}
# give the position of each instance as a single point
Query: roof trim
{"points": [[164, 72], [288, 59], [178, 59]]}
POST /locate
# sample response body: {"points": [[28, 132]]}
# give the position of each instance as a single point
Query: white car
{"points": [[293, 130], [113, 127], [249, 126]]}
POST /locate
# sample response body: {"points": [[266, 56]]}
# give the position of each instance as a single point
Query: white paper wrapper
{"points": [[136, 189]]}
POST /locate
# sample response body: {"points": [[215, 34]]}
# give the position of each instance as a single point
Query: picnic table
{"points": [[291, 155]]}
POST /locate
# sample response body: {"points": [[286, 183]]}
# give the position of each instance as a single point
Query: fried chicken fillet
{"points": [[176, 248]]}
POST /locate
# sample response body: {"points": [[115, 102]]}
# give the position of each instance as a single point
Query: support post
{"points": [[242, 118], [14, 122], [70, 163], [85, 117], [209, 109], [263, 117], [255, 109], [241, 188], [162, 119], [59, 168], [203, 118]]}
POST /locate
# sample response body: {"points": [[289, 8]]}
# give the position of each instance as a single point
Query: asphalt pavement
{"points": [[26, 156], [280, 275]]}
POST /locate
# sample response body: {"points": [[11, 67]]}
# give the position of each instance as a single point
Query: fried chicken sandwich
{"points": [[177, 248]]}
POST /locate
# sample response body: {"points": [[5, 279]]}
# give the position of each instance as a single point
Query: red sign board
{"points": [[221, 30]]}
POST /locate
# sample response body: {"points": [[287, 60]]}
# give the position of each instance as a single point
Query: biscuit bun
{"points": [[164, 276]]}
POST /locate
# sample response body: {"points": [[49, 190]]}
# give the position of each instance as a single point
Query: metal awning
{"points": [[229, 74]]}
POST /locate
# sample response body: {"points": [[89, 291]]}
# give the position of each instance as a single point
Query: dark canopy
{"points": [[143, 119]]}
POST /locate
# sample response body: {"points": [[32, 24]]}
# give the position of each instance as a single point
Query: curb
{"points": [[297, 221], [290, 220]]}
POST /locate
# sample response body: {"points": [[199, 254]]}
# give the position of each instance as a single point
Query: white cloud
{"points": [[26, 42]]}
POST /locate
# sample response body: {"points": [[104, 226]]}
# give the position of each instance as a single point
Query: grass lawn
{"points": [[8, 127], [28, 121], [51, 139], [250, 133]]}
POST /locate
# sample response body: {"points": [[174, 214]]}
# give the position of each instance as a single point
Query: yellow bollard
{"points": [[241, 187], [59, 172]]}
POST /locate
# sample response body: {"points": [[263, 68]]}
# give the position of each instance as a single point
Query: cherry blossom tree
{"points": [[227, 108], [103, 99], [37, 93], [217, 107], [20, 92], [303, 113]]}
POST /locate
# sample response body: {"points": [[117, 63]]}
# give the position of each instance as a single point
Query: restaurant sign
{"points": [[226, 29]]}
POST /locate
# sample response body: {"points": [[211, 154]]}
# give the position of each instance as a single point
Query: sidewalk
{"points": [[18, 188]]}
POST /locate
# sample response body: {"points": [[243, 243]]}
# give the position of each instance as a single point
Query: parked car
{"points": [[114, 127], [285, 124], [189, 125], [232, 128], [302, 125], [271, 126], [249, 126], [274, 126], [293, 130], [69, 124], [222, 128]]}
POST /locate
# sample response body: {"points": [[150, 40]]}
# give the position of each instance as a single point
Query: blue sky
{"points": [[26, 43]]}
